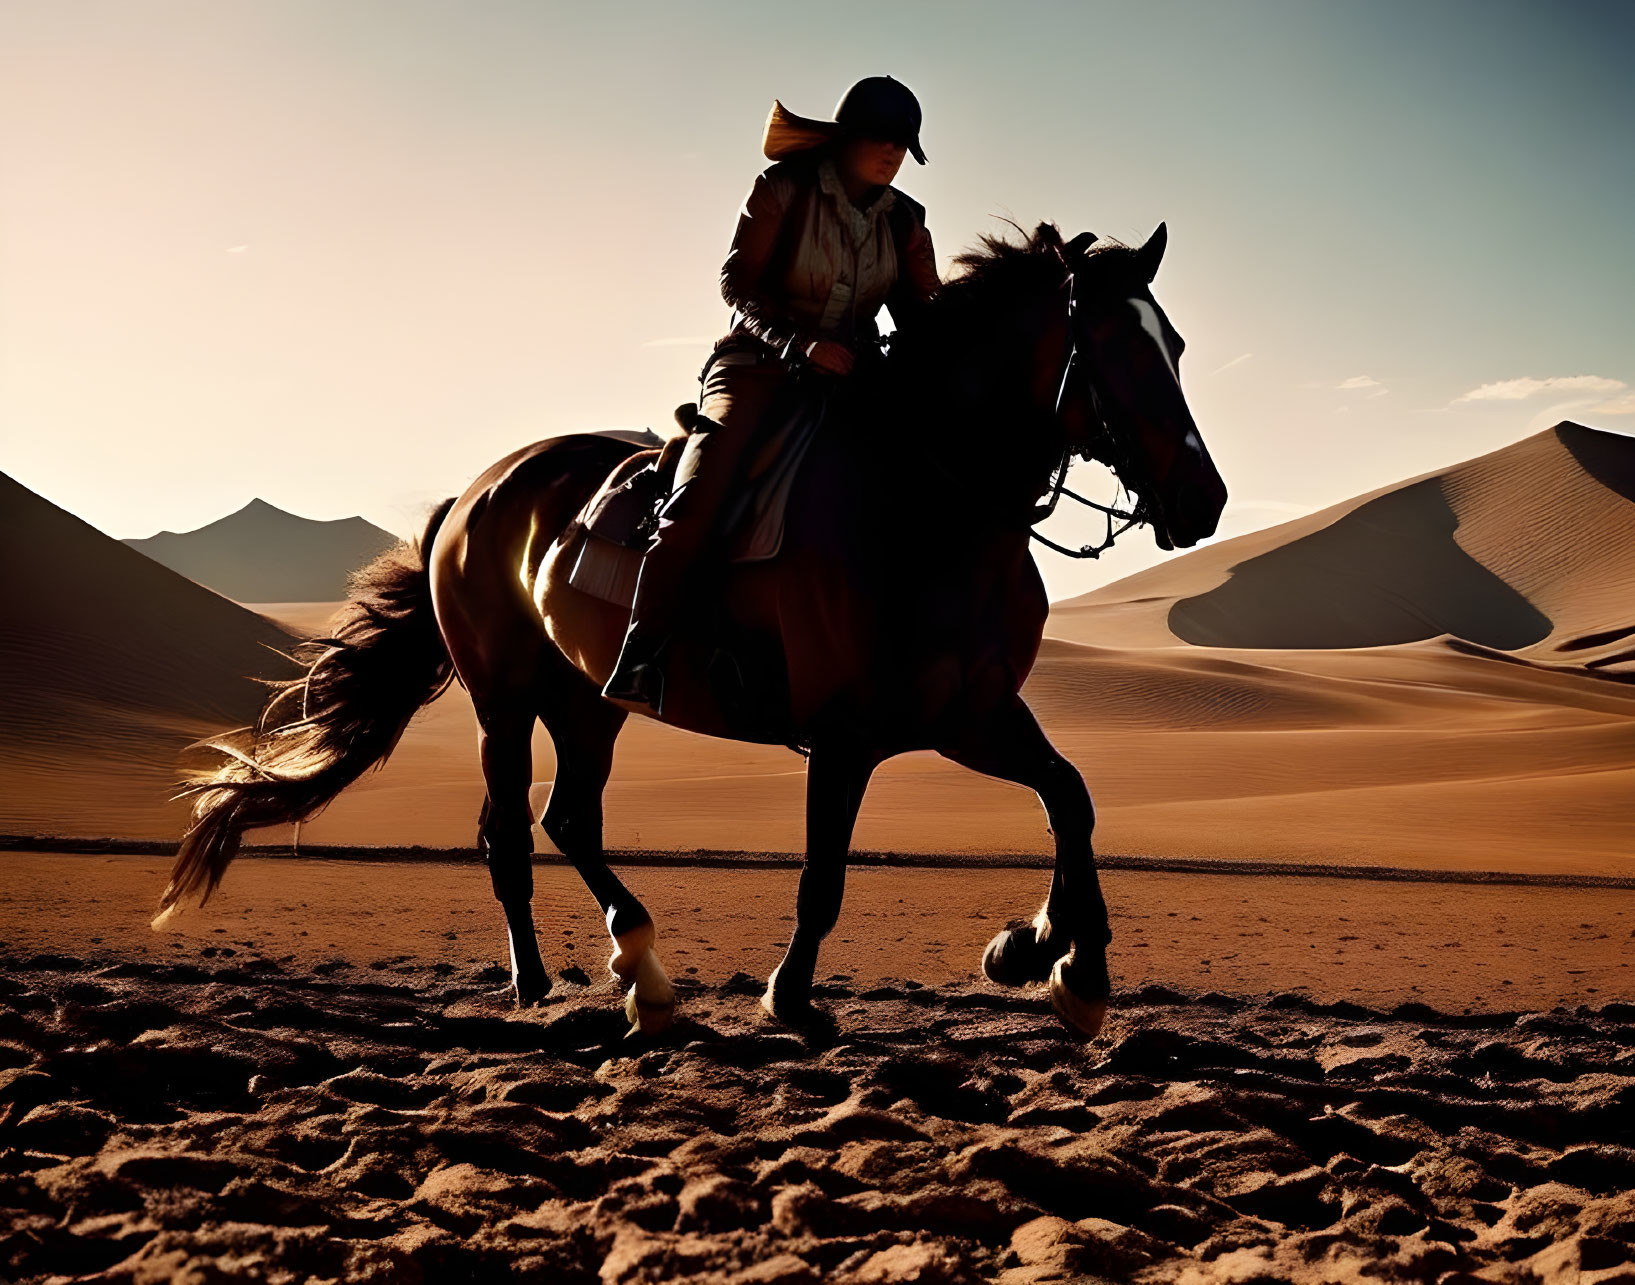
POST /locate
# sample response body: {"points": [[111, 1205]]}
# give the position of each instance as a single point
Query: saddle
{"points": [[617, 524]]}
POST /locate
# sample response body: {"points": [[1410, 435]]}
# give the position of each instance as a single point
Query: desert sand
{"points": [[321, 1076]]}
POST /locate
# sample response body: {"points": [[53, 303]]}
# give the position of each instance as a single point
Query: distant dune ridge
{"points": [[1434, 674], [263, 554]]}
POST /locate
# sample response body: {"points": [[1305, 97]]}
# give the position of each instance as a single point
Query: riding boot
{"points": [[733, 402], [638, 678], [637, 681]]}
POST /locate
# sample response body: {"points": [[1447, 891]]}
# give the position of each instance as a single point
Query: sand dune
{"points": [[1423, 676], [1527, 545], [109, 664], [1416, 755], [261, 553]]}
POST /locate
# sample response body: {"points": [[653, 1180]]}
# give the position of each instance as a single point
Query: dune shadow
{"points": [[1607, 457], [1387, 572]]}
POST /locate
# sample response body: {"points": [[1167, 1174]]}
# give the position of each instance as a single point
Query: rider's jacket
{"points": [[806, 264]]}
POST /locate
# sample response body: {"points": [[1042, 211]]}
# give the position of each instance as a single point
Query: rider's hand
{"points": [[832, 357]]}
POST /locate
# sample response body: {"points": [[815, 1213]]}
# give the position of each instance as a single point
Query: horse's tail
{"points": [[383, 660]]}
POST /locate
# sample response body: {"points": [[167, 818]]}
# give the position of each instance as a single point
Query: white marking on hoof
{"points": [[1003, 940], [766, 995], [988, 955], [628, 951], [166, 917], [1083, 1016], [650, 1004], [647, 1018]]}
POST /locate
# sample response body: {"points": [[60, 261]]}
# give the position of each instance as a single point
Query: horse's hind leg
{"points": [[584, 728], [1067, 940], [505, 837]]}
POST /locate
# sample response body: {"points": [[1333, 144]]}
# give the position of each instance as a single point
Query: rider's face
{"points": [[874, 161]]}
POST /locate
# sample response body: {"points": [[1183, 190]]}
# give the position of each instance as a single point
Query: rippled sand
{"points": [[253, 1119]]}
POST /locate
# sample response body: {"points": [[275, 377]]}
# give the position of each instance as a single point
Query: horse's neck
{"points": [[928, 476], [960, 465], [936, 499]]}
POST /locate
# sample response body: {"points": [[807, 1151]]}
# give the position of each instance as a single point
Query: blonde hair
{"points": [[787, 134]]}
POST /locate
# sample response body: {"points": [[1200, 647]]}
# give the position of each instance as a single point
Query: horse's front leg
{"points": [[836, 778], [1067, 940]]}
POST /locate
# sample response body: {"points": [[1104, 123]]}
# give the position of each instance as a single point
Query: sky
{"points": [[342, 256]]}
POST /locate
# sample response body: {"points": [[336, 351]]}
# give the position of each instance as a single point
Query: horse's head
{"points": [[1047, 347], [1120, 400]]}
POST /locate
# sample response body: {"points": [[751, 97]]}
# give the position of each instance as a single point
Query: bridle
{"points": [[1103, 437]]}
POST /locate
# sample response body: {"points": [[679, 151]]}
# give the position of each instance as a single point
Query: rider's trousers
{"points": [[736, 395]]}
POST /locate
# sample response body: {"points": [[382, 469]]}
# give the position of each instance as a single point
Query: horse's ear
{"points": [[1079, 244], [1152, 253]]}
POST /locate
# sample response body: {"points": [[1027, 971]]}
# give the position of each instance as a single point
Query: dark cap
{"points": [[880, 107]]}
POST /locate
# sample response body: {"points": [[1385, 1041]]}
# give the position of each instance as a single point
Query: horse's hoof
{"points": [[531, 991], [790, 1012], [816, 1026], [628, 950], [1083, 1016], [1022, 953], [650, 1003], [1013, 958], [648, 1016]]}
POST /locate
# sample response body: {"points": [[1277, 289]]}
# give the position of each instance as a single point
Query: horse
{"points": [[903, 612]]}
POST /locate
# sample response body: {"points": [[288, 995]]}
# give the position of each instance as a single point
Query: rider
{"points": [[823, 240]]}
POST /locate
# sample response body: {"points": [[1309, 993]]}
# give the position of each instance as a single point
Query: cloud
{"points": [[1624, 405], [1515, 390], [237, 249], [1363, 383], [679, 341], [1232, 363]]}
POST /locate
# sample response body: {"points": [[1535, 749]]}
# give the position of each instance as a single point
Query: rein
{"points": [[1127, 518]]}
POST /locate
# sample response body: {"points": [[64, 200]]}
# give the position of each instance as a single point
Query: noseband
{"points": [[1104, 437]]}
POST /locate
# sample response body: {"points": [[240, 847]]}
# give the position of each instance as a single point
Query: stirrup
{"points": [[637, 682]]}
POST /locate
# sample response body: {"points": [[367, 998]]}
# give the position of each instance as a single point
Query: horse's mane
{"points": [[996, 265], [992, 273]]}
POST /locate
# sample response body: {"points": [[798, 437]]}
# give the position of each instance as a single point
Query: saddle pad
{"points": [[755, 527], [612, 528], [605, 570]]}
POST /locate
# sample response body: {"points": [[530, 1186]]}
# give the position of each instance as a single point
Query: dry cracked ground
{"points": [[238, 1120]]}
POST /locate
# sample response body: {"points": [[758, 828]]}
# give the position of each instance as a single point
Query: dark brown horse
{"points": [[904, 612]]}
